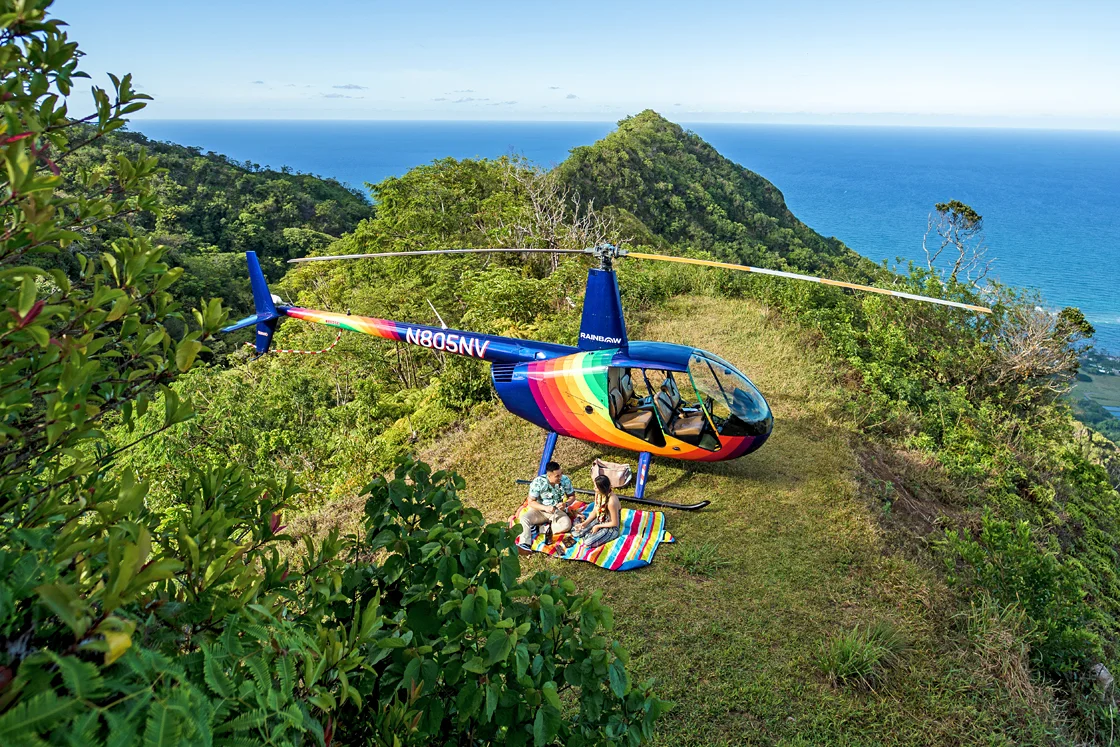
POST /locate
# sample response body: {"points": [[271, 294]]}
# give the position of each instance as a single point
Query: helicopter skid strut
{"points": [[644, 460]]}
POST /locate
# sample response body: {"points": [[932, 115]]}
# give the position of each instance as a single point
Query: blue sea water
{"points": [[1049, 198]]}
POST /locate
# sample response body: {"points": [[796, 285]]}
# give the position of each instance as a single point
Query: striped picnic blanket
{"points": [[641, 532]]}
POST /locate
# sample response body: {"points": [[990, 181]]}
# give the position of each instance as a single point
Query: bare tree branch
{"points": [[956, 226]]}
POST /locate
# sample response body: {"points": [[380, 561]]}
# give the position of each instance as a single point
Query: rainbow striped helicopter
{"points": [[654, 398]]}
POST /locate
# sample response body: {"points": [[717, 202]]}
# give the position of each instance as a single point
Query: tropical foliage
{"points": [[146, 585], [202, 624], [208, 211]]}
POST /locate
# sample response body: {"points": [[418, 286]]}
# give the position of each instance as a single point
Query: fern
{"points": [[261, 675], [244, 722], [81, 678], [286, 673], [39, 713], [26, 740], [162, 729], [122, 729], [231, 636], [83, 731], [213, 673]]}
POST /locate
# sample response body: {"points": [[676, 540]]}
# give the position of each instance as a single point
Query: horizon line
{"points": [[1065, 127]]}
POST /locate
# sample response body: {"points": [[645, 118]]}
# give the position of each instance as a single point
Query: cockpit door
{"points": [[735, 406]]}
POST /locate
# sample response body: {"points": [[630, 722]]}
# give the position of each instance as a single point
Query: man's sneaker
{"points": [[523, 548]]}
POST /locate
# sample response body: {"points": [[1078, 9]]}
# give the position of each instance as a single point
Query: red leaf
{"points": [[14, 138], [53, 167], [34, 311]]}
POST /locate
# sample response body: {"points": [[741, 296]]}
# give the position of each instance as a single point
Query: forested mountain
{"points": [[688, 194], [209, 210]]}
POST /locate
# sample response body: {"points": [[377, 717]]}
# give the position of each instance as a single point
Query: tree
{"points": [[1040, 350], [120, 623], [957, 227]]}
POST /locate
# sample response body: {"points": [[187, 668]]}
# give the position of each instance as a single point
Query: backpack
{"points": [[619, 474]]}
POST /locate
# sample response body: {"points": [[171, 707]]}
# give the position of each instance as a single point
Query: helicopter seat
{"points": [[634, 422], [679, 424], [626, 386]]}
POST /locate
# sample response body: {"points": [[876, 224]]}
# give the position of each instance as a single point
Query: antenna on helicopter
{"points": [[433, 308]]}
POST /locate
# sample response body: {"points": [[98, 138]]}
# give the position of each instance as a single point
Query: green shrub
{"points": [[862, 655], [1017, 567], [197, 623]]}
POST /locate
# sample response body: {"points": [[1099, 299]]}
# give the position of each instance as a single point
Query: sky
{"points": [[982, 63]]}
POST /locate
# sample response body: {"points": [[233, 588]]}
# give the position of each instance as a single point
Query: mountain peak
{"points": [[688, 194]]}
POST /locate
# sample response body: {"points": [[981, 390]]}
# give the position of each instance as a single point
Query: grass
{"points": [[1104, 388], [862, 654], [700, 560], [796, 560]]}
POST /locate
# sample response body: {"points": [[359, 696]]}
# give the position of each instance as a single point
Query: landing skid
{"points": [[643, 501]]}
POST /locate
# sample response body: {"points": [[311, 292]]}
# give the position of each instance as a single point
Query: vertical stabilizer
{"points": [[603, 325], [262, 298], [266, 317]]}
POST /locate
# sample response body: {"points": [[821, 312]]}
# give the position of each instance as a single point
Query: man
{"points": [[547, 505]]}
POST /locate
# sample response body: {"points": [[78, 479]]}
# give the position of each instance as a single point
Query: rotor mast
{"points": [[602, 325]]}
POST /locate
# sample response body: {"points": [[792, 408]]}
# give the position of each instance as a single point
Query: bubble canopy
{"points": [[734, 404]]}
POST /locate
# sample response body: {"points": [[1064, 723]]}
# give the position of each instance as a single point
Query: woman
{"points": [[602, 524]]}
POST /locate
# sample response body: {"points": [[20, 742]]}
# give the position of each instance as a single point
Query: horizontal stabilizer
{"points": [[246, 322]]}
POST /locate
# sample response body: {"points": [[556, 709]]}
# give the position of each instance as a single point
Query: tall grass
{"points": [[862, 655]]}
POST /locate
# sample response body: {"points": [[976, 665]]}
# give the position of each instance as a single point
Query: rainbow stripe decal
{"points": [[367, 325], [570, 394], [446, 340]]}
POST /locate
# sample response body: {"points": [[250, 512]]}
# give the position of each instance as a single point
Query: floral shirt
{"points": [[542, 491]]}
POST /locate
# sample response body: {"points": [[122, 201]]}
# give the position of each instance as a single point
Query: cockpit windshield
{"points": [[736, 407]]}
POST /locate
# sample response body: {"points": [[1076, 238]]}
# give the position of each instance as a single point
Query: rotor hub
{"points": [[606, 254]]}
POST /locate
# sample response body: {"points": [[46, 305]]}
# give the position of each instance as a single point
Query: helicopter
{"points": [[655, 398]]}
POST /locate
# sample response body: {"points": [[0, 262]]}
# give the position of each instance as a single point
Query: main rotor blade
{"points": [[436, 251], [810, 278]]}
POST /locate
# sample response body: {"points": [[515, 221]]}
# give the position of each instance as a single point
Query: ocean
{"points": [[1049, 198]]}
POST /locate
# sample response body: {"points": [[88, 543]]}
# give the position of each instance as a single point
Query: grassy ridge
{"points": [[802, 561]]}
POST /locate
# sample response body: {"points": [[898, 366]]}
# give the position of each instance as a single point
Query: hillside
{"points": [[209, 210], [928, 408], [683, 191], [926, 550], [801, 560]]}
